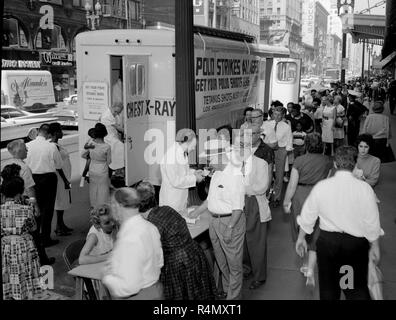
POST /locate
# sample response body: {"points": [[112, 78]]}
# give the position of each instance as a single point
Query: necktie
{"points": [[243, 168], [276, 125]]}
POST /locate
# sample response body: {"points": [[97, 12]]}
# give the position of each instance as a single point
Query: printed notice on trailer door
{"points": [[224, 81], [95, 99]]}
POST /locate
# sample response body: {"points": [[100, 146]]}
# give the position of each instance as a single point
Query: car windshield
{"points": [[8, 113]]}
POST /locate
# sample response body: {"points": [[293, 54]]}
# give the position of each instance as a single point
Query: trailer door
{"points": [[286, 73], [135, 74]]}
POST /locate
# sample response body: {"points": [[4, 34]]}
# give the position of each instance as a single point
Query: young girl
{"points": [[299, 141], [88, 145], [19, 256], [100, 238]]}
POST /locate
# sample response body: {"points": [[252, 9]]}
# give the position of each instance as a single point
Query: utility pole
{"points": [[363, 58], [344, 4], [185, 94]]}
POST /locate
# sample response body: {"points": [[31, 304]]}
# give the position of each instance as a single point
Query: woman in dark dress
{"points": [[186, 274], [307, 170]]}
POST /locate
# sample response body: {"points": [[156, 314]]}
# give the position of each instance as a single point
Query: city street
{"points": [[284, 278]]}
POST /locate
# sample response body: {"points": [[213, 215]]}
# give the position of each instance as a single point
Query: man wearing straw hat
{"points": [[225, 203]]}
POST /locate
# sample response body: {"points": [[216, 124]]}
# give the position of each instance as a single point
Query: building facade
{"points": [[40, 35], [334, 46], [281, 24], [314, 29], [245, 17]]}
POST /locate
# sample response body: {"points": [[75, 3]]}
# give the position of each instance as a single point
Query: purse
{"points": [[375, 281]]}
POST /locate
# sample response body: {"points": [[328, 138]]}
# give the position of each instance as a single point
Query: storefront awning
{"points": [[384, 62], [368, 28]]}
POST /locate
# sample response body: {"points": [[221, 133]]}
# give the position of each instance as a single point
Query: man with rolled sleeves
{"points": [[257, 178], [225, 203], [44, 160]]}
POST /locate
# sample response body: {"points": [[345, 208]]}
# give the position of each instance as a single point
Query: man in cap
{"points": [[225, 202]]}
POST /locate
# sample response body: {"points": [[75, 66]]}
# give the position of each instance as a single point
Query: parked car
{"points": [[20, 125], [70, 100], [11, 112], [67, 118]]}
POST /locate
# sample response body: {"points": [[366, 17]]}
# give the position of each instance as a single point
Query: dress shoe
{"points": [[221, 295], [61, 232], [48, 261], [50, 242], [256, 284], [247, 275], [275, 204]]}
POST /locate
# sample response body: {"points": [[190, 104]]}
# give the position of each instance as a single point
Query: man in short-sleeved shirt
{"points": [[225, 202]]}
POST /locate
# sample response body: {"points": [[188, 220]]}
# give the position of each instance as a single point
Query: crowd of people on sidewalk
{"points": [[328, 148]]}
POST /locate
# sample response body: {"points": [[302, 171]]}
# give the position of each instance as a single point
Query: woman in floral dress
{"points": [[19, 257]]}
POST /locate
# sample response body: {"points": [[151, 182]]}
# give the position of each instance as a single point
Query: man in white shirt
{"points": [[268, 133], [284, 139], [18, 150], [134, 266], [349, 229], [44, 160], [257, 172], [176, 174], [225, 203]]}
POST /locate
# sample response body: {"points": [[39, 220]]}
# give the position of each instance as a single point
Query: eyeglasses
{"points": [[256, 117]]}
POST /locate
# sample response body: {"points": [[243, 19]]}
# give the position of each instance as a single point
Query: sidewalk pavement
{"points": [[284, 282]]}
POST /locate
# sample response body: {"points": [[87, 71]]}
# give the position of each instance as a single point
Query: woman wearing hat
{"points": [[377, 124], [100, 155]]}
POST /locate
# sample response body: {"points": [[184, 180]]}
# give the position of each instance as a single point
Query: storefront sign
{"points": [[13, 59], [61, 59], [308, 22], [95, 99], [223, 81], [20, 64]]}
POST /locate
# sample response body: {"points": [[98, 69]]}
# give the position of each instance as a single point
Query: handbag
{"points": [[375, 281]]}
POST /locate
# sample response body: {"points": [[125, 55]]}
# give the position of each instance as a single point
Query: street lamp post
{"points": [[93, 16], [344, 4]]}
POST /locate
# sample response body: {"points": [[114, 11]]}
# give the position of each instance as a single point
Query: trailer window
{"points": [[287, 72], [141, 79], [137, 79], [132, 79]]}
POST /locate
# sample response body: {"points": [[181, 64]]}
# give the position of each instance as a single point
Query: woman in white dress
{"points": [[328, 125], [99, 180], [63, 195]]}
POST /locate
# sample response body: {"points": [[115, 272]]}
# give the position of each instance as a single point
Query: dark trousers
{"points": [[45, 188], [353, 132], [39, 245], [379, 149], [336, 251], [255, 252]]}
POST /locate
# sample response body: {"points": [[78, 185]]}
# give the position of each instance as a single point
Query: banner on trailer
{"points": [[95, 99], [224, 81]]}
